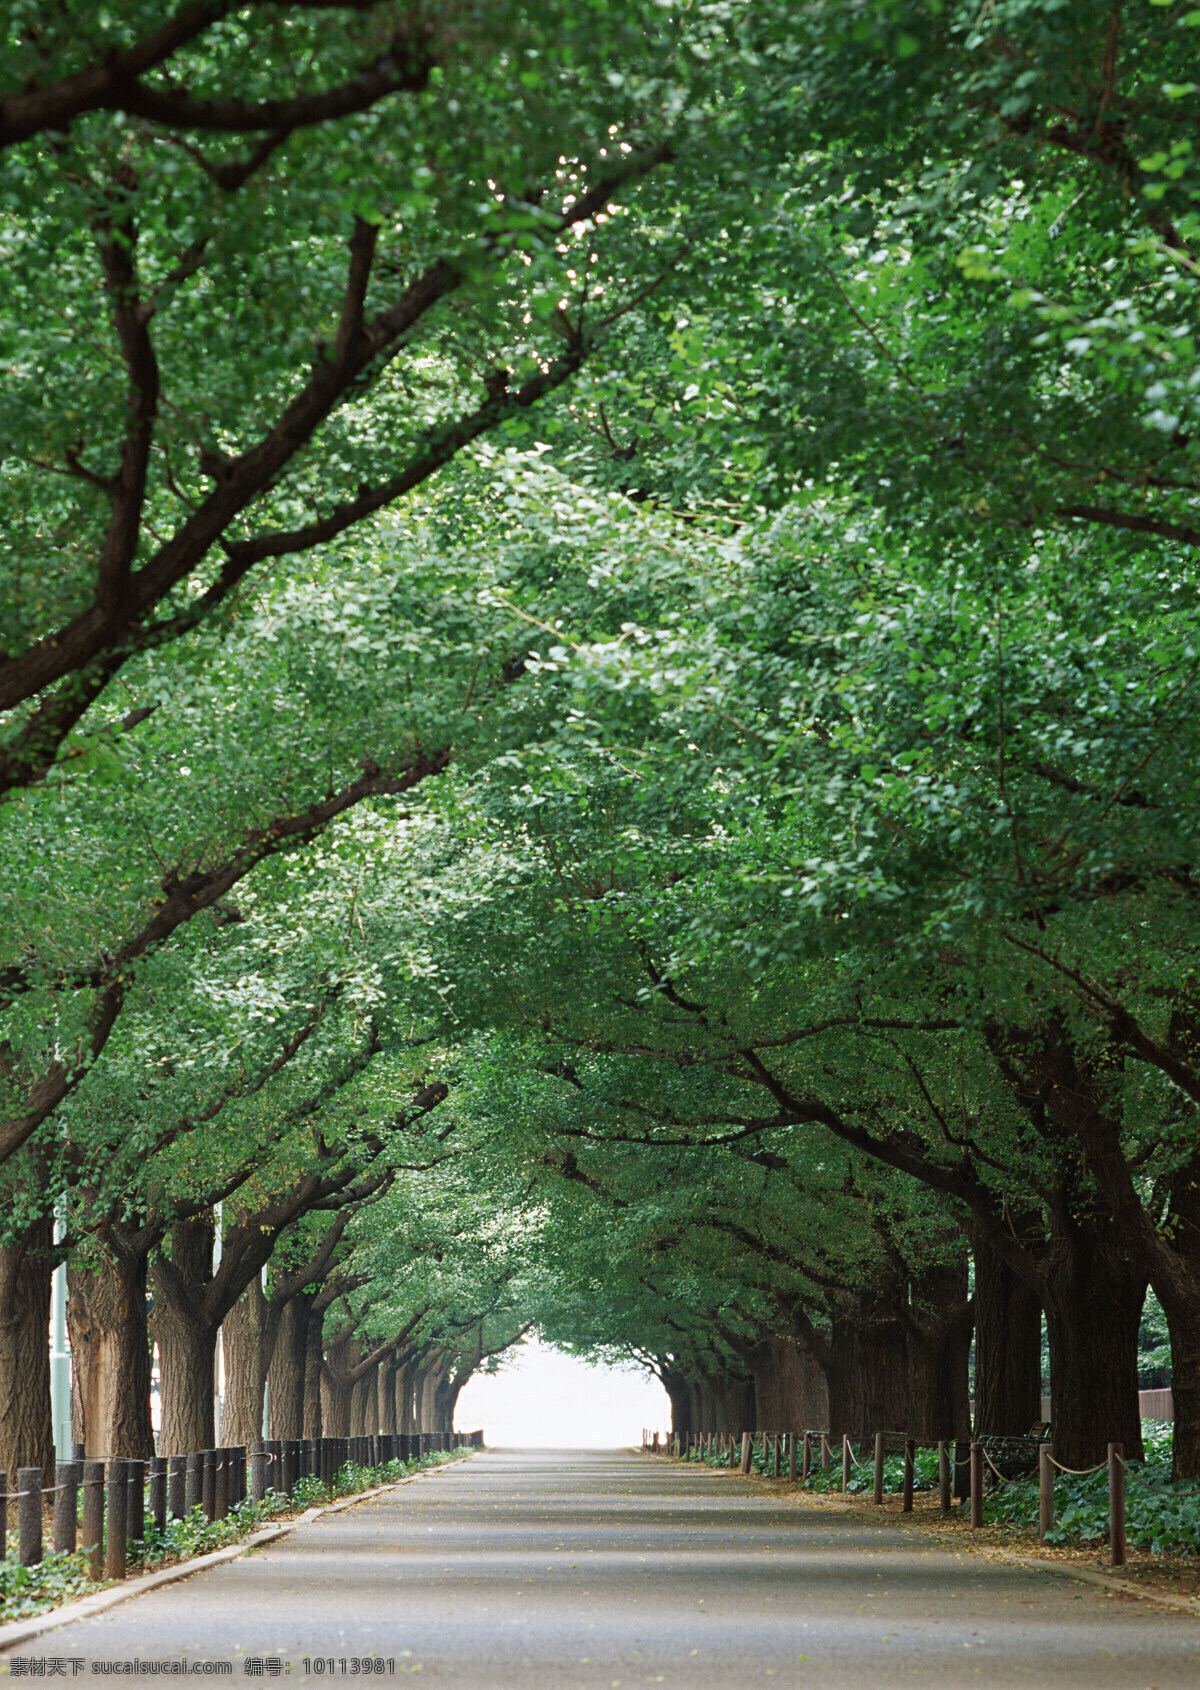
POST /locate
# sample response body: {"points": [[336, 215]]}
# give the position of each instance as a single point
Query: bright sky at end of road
{"points": [[546, 1400]]}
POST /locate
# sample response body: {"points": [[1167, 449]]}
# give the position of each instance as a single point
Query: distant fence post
{"points": [[791, 1455], [847, 1458], [66, 1506], [877, 1491], [747, 1451], [135, 1501], [29, 1516], [826, 1452], [806, 1465], [158, 1491], [1045, 1491], [177, 1486], [1116, 1504], [118, 1514], [910, 1473], [976, 1485], [945, 1477], [93, 1517]]}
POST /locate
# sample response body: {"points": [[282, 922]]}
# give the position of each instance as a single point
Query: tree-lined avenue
{"points": [[547, 1570]]}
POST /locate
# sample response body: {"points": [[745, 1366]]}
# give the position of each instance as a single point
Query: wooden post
{"points": [[877, 1491], [806, 1466], [158, 1491], [826, 1452], [1045, 1490], [66, 1506], [176, 1486], [847, 1458], [777, 1440], [791, 1455], [135, 1503], [193, 1495], [258, 1472], [747, 1451], [910, 1465], [1116, 1504], [221, 1484], [93, 1517], [118, 1514], [29, 1516], [3, 1514], [976, 1485], [945, 1477], [208, 1483]]}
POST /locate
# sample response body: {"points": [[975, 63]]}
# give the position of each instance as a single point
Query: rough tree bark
{"points": [[285, 1376], [108, 1328], [313, 1357], [26, 1270], [1008, 1342], [868, 1366], [186, 1337], [244, 1339], [940, 1317]]}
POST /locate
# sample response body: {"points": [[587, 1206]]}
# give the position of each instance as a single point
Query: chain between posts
{"points": [[948, 1465]]}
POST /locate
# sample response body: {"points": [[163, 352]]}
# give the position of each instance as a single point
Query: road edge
{"points": [[23, 1631]]}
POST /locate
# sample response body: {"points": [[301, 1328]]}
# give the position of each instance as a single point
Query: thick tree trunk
{"points": [[385, 1394], [448, 1393], [679, 1393], [941, 1317], [790, 1392], [1183, 1323], [26, 1432], [187, 1350], [1093, 1296], [868, 1373], [337, 1387], [737, 1398], [108, 1328], [362, 1406], [186, 1339], [313, 1365], [1008, 1347], [285, 1376], [243, 1338], [406, 1404]]}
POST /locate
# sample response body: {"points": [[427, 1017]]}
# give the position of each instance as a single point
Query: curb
{"points": [[1185, 1604], [23, 1631], [1105, 1581]]}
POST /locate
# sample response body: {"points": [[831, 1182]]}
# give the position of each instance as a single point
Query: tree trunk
{"points": [[243, 1338], [678, 1389], [1008, 1347], [285, 1376], [385, 1394], [26, 1432], [337, 1387], [941, 1318], [406, 1408], [448, 1393], [790, 1392], [868, 1372], [313, 1364], [362, 1406], [1093, 1297], [109, 1333], [186, 1339]]}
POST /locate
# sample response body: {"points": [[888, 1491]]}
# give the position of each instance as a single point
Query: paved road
{"points": [[552, 1570]]}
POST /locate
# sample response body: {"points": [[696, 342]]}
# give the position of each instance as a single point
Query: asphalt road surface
{"points": [[548, 1570]]}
